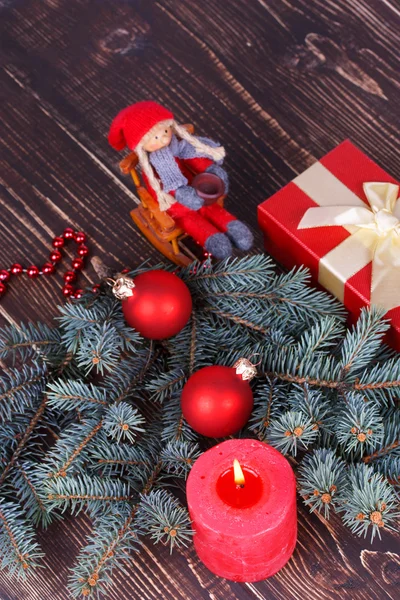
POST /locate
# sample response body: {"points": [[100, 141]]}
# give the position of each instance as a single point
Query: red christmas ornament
{"points": [[2, 288], [157, 303], [4, 275], [217, 401]]}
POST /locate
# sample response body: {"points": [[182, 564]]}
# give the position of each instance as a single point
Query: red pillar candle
{"points": [[245, 531]]}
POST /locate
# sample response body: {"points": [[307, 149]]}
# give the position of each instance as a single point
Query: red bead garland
{"points": [[58, 242]]}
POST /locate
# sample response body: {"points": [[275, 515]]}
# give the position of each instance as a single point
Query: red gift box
{"points": [[338, 263]]}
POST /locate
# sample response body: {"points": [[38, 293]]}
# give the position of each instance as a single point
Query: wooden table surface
{"points": [[280, 83]]}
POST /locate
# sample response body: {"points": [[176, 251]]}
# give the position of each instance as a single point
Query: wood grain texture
{"points": [[280, 83]]}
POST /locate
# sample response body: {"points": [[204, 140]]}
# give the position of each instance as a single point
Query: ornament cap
{"points": [[123, 287], [245, 368]]}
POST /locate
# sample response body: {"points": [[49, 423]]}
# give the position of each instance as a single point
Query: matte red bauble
{"points": [[157, 303], [217, 401]]}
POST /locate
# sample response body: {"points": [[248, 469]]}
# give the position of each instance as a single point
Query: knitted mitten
{"points": [[221, 173], [187, 196], [240, 235], [219, 245]]}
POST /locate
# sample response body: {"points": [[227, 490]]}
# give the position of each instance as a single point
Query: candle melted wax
{"points": [[239, 496]]}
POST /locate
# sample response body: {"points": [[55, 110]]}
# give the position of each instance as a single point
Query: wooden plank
{"points": [[279, 82]]}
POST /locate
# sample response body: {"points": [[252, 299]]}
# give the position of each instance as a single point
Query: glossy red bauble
{"points": [[83, 250], [160, 306], [55, 256], [78, 294], [216, 402], [69, 276], [58, 242], [16, 269], [4, 275], [68, 233], [32, 272], [3, 288], [77, 264], [48, 269], [96, 288]]}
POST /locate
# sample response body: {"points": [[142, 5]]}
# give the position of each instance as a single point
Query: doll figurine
{"points": [[168, 155]]}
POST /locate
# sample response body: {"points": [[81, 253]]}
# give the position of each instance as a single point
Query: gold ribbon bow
{"points": [[375, 238]]}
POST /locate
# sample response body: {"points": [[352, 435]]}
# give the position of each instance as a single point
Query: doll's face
{"points": [[159, 137]]}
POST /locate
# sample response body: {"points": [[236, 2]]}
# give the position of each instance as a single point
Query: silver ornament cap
{"points": [[245, 368], [123, 287]]}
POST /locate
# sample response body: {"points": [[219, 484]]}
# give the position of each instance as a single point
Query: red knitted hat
{"points": [[133, 122]]}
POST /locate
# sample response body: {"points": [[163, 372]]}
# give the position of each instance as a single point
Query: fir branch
{"points": [[29, 340], [358, 425], [99, 348], [291, 432], [29, 488], [94, 493], [112, 540], [166, 384], [361, 344], [238, 320], [90, 576], [72, 394], [90, 432], [19, 550], [371, 504], [24, 439], [165, 519], [382, 452], [323, 481], [122, 422], [20, 388], [178, 457]]}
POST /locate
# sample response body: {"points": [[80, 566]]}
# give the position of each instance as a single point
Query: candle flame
{"points": [[238, 473]]}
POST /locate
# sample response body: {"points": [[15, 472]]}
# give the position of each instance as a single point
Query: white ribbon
{"points": [[375, 235]]}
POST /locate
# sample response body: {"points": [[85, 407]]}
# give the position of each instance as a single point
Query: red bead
{"points": [[4, 275], [55, 256], [216, 402], [124, 271], [32, 271], [77, 264], [48, 268], [58, 242], [80, 237], [68, 233], [160, 306], [2, 288], [16, 269], [83, 250], [68, 290], [96, 288], [78, 294], [69, 276]]}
